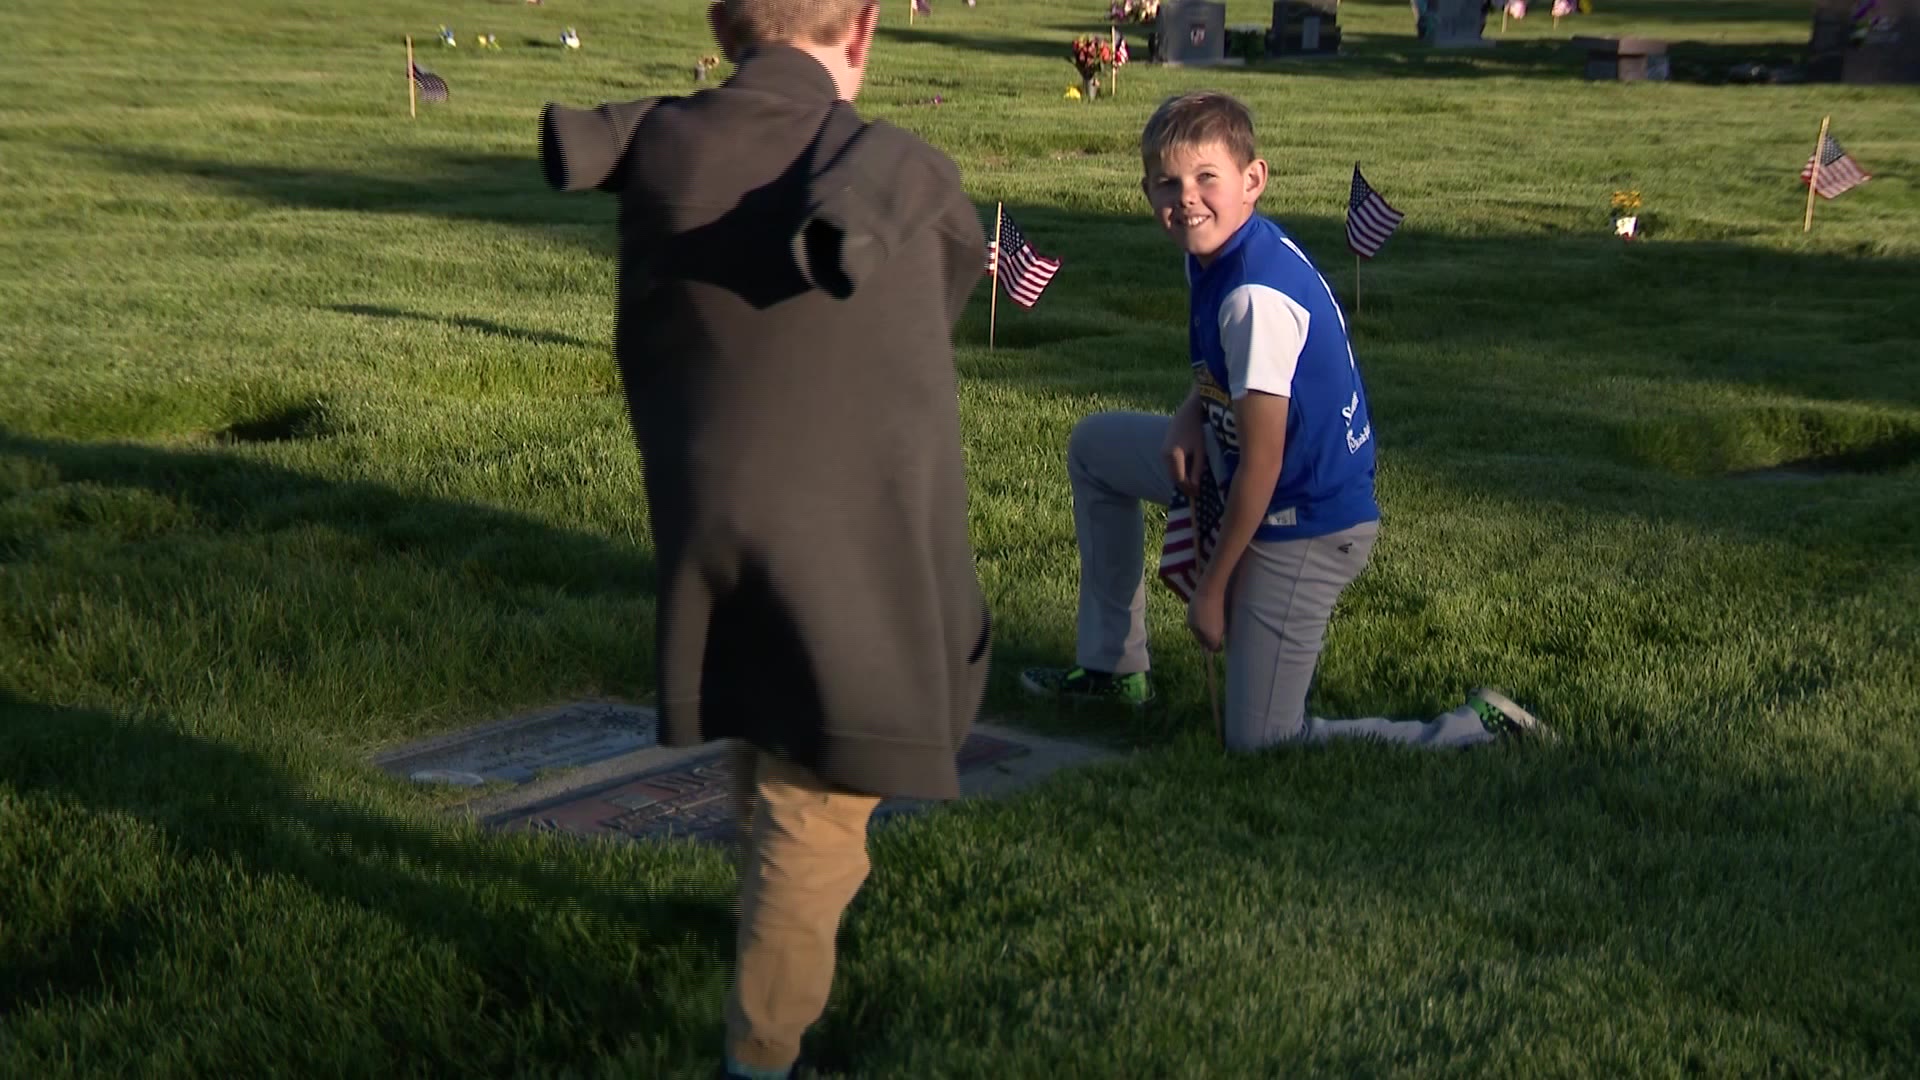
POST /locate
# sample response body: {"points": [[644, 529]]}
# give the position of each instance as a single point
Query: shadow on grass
{"points": [[482, 326], [504, 188], [970, 41], [220, 802], [1718, 895], [1382, 57], [232, 494]]}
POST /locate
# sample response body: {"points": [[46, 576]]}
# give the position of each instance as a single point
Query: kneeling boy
{"points": [[1279, 415]]}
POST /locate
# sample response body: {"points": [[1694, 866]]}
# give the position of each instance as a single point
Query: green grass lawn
{"points": [[310, 444]]}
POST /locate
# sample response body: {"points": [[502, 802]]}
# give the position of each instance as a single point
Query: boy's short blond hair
{"points": [[777, 22], [1195, 119]]}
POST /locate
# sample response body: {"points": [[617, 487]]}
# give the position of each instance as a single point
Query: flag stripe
{"points": [[1370, 221], [1838, 171], [432, 87], [1024, 273], [1192, 533]]}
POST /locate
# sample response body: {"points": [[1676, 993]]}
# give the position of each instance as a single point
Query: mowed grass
{"points": [[310, 444]]}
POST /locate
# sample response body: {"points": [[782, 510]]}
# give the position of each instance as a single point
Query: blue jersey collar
{"points": [[1239, 237]]}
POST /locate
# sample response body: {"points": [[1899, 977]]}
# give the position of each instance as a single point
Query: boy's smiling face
{"points": [[1201, 195]]}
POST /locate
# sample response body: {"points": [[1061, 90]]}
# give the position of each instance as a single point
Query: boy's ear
{"points": [[860, 42], [1257, 178], [723, 31]]}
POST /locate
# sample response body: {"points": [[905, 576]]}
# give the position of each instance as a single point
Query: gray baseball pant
{"points": [[1277, 612]]}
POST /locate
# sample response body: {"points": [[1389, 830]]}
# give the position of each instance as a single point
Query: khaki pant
{"points": [[802, 854]]}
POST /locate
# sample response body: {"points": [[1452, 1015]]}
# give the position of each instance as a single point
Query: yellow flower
{"points": [[1073, 93]]}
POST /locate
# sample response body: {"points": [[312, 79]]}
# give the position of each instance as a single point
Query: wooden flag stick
{"points": [[1113, 46], [1356, 285], [1813, 176], [411, 107], [993, 295]]}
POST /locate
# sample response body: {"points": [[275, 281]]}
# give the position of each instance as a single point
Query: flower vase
{"points": [[1090, 89], [1626, 226]]}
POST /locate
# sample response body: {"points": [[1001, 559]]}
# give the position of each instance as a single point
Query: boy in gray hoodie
{"points": [[790, 278]]}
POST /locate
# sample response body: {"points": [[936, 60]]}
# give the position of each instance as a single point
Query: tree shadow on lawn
{"points": [[212, 800], [1828, 326], [975, 42], [233, 494], [1545, 876], [503, 188], [464, 322], [1381, 57]]}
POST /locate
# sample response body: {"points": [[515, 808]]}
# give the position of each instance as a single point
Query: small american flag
{"points": [[1192, 531], [1025, 272], [1369, 219], [432, 87], [1838, 170]]}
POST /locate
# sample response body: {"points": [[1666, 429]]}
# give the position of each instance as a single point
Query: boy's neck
{"points": [[833, 58]]}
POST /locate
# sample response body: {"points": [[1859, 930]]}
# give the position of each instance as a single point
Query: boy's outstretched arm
{"points": [[966, 244], [884, 191], [581, 149]]}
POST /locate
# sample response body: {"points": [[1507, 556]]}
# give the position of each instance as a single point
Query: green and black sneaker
{"points": [[1500, 715], [1133, 690]]}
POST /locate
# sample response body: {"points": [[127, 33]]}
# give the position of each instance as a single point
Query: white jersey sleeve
{"points": [[1262, 331]]}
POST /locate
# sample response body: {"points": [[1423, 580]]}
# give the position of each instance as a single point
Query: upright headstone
{"points": [[1193, 32], [1885, 39], [1624, 59], [1451, 24], [1304, 28], [1828, 45]]}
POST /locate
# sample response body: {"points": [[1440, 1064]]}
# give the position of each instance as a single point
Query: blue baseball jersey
{"points": [[1263, 319]]}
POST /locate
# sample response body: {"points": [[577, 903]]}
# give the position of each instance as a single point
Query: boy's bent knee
{"points": [[1090, 438]]}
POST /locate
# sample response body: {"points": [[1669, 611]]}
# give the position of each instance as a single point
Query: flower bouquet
{"points": [[1143, 13], [1626, 214], [1091, 56], [704, 65]]}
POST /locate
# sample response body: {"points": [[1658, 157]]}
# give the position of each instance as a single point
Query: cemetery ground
{"points": [[310, 445]]}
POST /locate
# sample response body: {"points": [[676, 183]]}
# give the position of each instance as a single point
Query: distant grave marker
{"points": [[1865, 43], [1452, 24], [1193, 33], [1624, 59], [1304, 28]]}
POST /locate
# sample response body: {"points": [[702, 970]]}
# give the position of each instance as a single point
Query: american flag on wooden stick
{"points": [[1024, 272], [1838, 171], [1193, 529], [1369, 219], [432, 87]]}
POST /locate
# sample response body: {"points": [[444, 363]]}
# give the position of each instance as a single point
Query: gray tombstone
{"points": [[1624, 59], [1885, 44], [1304, 28], [1452, 24], [1831, 38], [1193, 32]]}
